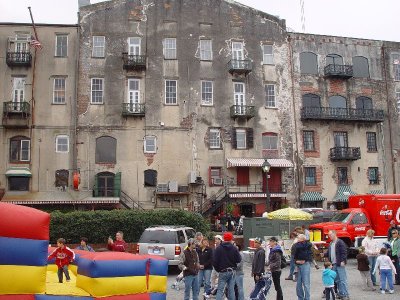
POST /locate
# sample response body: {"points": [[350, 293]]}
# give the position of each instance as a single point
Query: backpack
{"points": [[283, 262]]}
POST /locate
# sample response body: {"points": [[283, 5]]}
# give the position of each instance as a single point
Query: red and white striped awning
{"points": [[258, 162], [256, 195]]}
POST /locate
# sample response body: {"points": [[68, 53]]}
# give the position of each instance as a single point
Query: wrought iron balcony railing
{"points": [[257, 188], [23, 108], [237, 66], [15, 59], [134, 62], [345, 153], [339, 71], [133, 109], [342, 114], [242, 111]]}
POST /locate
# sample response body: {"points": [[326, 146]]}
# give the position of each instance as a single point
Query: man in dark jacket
{"points": [[225, 260], [274, 264], [189, 264], [392, 227], [303, 257], [258, 264], [337, 255], [205, 254]]}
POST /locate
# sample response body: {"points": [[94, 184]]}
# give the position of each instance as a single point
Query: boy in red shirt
{"points": [[64, 256]]}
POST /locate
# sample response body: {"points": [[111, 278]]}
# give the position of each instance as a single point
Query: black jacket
{"points": [[340, 250], [226, 256], [258, 265], [302, 251], [275, 258], [389, 234], [205, 257]]}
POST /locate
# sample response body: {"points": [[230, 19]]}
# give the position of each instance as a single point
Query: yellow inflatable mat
{"points": [[53, 287]]}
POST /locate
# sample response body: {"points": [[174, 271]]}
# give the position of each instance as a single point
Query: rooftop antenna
{"points": [[303, 17]]}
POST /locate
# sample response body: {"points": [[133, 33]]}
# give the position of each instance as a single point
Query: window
{"points": [[240, 139], [18, 94], [364, 103], [97, 90], [310, 175], [59, 91], [215, 176], [134, 95], [308, 63], [360, 67], [270, 95], [270, 141], [215, 138], [239, 98], [268, 55], [170, 48], [205, 50], [373, 175], [62, 179], [62, 144], [106, 150], [18, 183], [134, 44], [396, 66], [98, 46], [150, 177], [398, 100], [340, 139], [311, 100], [334, 59], [20, 149], [359, 218], [237, 51], [308, 140], [150, 144], [342, 175], [337, 102], [171, 92], [207, 93], [371, 142], [61, 45]]}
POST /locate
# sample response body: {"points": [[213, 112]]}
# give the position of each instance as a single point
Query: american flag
{"points": [[35, 43]]}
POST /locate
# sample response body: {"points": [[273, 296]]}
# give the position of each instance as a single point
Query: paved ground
{"points": [[289, 287]]}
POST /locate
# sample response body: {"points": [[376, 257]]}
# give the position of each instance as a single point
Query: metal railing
{"points": [[133, 109], [242, 111], [133, 61], [345, 153], [16, 108], [129, 202], [19, 59], [240, 66], [257, 188], [342, 114], [333, 70]]}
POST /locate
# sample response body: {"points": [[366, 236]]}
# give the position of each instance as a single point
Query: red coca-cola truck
{"points": [[365, 212]]}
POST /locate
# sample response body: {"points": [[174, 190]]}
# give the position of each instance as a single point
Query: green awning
{"points": [[312, 197], [18, 172], [375, 192], [342, 194]]}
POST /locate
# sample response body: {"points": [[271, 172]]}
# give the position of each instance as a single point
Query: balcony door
{"points": [[18, 94], [274, 181], [340, 139], [240, 99], [133, 95], [237, 51], [105, 184], [334, 59], [243, 177], [134, 46], [364, 103]]}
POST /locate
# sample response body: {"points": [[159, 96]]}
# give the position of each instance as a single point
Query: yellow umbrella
{"points": [[290, 214]]}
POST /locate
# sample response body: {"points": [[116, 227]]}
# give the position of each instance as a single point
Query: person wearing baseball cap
{"points": [[257, 267], [189, 264], [225, 260]]}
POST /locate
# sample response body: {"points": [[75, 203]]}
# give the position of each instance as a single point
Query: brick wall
{"points": [[336, 86]]}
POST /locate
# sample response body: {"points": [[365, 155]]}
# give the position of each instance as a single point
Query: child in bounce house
{"points": [[64, 256]]}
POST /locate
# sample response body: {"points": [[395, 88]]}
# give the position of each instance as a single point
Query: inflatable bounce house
{"points": [[25, 273]]}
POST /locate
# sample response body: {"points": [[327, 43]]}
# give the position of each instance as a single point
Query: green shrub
{"points": [[98, 225]]}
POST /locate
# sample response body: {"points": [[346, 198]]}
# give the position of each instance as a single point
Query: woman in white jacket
{"points": [[372, 251], [385, 266]]}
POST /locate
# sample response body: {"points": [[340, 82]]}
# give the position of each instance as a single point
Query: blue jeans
{"points": [[239, 284], [205, 276], [226, 278], [372, 262], [341, 280], [292, 267], [303, 281], [386, 275], [191, 283]]}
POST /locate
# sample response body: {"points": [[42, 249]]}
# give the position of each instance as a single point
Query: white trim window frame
{"points": [[270, 142], [207, 92], [169, 48], [396, 66], [398, 99], [62, 144], [99, 45], [171, 92], [268, 54], [61, 45], [134, 45], [270, 95], [241, 139], [206, 50], [150, 144], [59, 89], [215, 138], [96, 90], [25, 150]]}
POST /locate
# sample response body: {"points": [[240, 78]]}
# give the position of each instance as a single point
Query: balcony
{"points": [[133, 109], [134, 62], [16, 114], [239, 67], [19, 59], [242, 111], [338, 71], [256, 191], [342, 114], [344, 153]]}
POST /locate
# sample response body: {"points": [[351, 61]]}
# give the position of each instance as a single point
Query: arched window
{"points": [[150, 177], [308, 63], [106, 150], [364, 103], [334, 59], [311, 100], [270, 141], [20, 149], [337, 102], [107, 184], [360, 67]]}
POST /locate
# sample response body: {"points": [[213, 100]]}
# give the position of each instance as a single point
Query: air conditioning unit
{"points": [[217, 181], [173, 186], [192, 177], [162, 188]]}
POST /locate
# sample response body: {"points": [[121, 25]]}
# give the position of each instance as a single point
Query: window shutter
{"points": [[117, 184], [249, 138], [209, 177], [95, 186], [234, 139]]}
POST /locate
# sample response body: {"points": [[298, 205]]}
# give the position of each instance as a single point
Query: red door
{"points": [[274, 180], [243, 177]]}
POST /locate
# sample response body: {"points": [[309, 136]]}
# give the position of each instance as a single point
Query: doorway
{"points": [[246, 209]]}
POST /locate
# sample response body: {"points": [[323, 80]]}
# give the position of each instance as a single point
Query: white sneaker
{"points": [[391, 291], [383, 292], [206, 296]]}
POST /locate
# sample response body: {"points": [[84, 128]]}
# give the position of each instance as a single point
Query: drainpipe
{"points": [[74, 105]]}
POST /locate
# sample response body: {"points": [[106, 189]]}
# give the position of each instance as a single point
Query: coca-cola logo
{"points": [[388, 212], [361, 202]]}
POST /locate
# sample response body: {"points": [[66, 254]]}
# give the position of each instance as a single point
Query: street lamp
{"points": [[266, 167]]}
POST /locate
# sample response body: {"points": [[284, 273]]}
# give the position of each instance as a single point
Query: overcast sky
{"points": [[352, 18]]}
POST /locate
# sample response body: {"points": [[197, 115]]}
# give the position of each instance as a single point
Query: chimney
{"points": [[83, 3]]}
